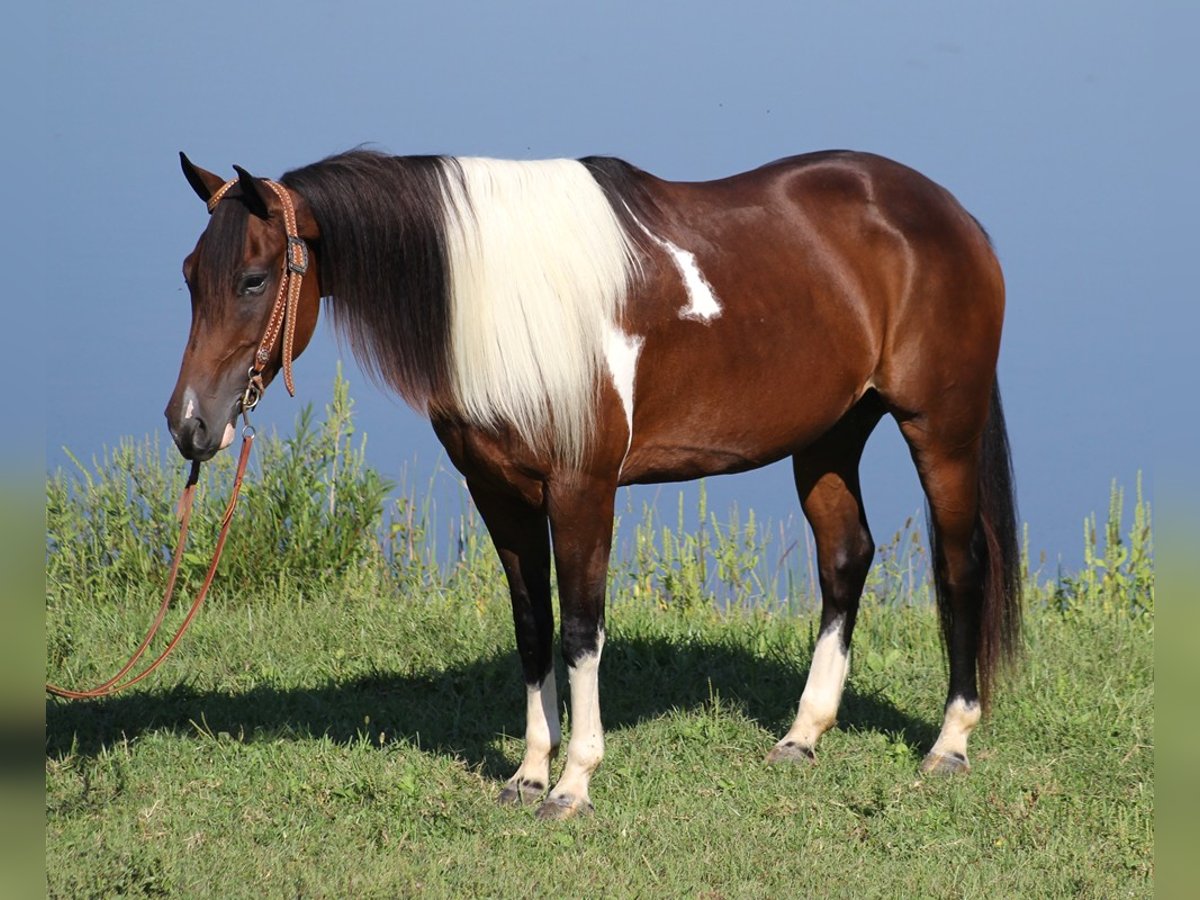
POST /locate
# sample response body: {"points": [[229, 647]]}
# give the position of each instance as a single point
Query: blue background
{"points": [[1068, 129]]}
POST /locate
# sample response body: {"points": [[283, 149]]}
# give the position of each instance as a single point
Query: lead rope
{"points": [[295, 264], [115, 683]]}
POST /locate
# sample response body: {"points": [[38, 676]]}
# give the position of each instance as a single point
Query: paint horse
{"points": [[571, 326]]}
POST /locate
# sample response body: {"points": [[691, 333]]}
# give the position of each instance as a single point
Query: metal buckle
{"points": [[253, 392], [297, 244]]}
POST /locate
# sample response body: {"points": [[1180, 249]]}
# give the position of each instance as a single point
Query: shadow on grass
{"points": [[460, 710]]}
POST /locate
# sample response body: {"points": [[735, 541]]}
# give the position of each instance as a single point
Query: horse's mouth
{"points": [[196, 440]]}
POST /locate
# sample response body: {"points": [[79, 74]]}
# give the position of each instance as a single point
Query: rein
{"points": [[115, 683], [282, 320]]}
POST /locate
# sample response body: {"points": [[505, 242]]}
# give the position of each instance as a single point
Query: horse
{"points": [[569, 326]]}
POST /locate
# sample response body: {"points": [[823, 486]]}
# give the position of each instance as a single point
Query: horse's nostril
{"points": [[191, 437], [194, 428]]}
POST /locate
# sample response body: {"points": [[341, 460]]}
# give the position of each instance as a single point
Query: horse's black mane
{"points": [[382, 259], [624, 186]]}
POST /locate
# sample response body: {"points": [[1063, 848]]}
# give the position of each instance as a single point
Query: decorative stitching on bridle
{"points": [[287, 300]]}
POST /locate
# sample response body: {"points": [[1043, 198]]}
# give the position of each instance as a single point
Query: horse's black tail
{"points": [[998, 554]]}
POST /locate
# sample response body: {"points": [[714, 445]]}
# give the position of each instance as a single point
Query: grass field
{"points": [[345, 735]]}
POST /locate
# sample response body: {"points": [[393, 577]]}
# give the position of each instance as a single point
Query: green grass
{"points": [[345, 735], [352, 746]]}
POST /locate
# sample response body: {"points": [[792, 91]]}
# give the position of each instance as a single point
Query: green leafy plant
{"points": [[1117, 575], [313, 514], [310, 512]]}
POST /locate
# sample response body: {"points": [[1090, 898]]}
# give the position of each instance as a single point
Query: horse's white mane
{"points": [[539, 270]]}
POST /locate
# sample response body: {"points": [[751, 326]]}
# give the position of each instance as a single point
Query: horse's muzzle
{"points": [[196, 440]]}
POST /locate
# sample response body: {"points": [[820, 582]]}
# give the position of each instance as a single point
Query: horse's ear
{"points": [[204, 183], [252, 193]]}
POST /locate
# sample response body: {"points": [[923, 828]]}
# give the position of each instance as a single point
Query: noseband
{"points": [[287, 300]]}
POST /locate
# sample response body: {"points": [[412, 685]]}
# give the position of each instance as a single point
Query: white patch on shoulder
{"points": [[621, 354], [702, 299], [703, 303]]}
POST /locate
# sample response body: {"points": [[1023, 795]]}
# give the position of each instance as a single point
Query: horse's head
{"points": [[235, 276]]}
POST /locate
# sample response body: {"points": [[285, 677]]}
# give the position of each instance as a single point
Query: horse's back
{"points": [[830, 273], [830, 188]]}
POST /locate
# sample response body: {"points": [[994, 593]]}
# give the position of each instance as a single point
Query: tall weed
{"points": [[311, 510], [312, 514], [1117, 576]]}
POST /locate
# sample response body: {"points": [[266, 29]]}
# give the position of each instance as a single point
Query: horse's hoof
{"points": [[945, 764], [564, 806], [520, 792], [790, 752]]}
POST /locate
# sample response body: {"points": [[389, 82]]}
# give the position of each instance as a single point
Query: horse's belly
{"points": [[657, 464], [732, 425], [765, 379]]}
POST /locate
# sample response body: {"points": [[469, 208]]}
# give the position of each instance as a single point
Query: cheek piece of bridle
{"points": [[281, 322], [287, 300]]}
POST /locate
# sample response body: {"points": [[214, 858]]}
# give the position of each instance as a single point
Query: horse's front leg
{"points": [[581, 517], [522, 541]]}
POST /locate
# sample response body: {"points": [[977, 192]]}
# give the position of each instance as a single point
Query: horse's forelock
{"points": [[219, 258]]}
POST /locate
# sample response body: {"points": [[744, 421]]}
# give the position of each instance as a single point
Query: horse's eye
{"points": [[253, 283]]}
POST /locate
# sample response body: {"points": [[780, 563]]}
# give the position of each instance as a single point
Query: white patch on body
{"points": [[586, 747], [823, 690], [702, 303], [961, 719], [542, 732], [702, 299], [621, 353], [227, 437], [539, 268]]}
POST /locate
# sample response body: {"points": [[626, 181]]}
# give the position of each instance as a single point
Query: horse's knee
{"points": [[845, 570]]}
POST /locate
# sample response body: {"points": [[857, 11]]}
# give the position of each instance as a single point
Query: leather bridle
{"points": [[287, 299], [282, 321]]}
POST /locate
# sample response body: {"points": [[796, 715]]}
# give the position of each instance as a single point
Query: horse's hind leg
{"points": [[522, 540], [827, 481], [947, 452]]}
